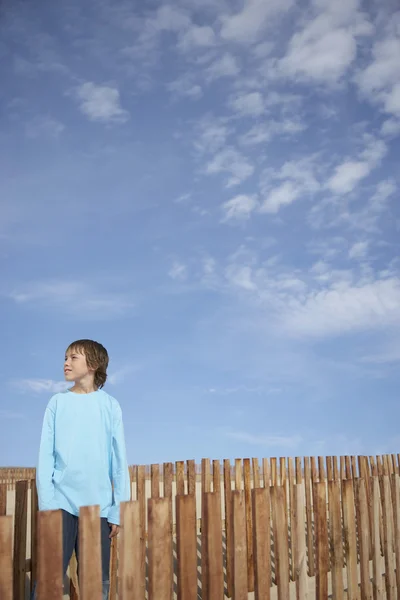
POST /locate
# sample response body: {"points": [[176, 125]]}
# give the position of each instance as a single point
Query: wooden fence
{"points": [[303, 527]]}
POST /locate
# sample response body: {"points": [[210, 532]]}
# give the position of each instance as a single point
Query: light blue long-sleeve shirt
{"points": [[82, 455]]}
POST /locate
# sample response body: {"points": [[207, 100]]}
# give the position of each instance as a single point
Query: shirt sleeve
{"points": [[120, 471], [45, 468]]}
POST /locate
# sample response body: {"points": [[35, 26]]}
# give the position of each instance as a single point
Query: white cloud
{"points": [[283, 195], [264, 132], [41, 385], [358, 250], [101, 103], [225, 66], [178, 271], [185, 87], [240, 276], [391, 127], [230, 161], [76, 298], [250, 104], [240, 207], [120, 375], [250, 22], [44, 127], [345, 308], [197, 37], [280, 441]]}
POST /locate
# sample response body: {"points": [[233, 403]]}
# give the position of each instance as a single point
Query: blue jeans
{"points": [[70, 540]]}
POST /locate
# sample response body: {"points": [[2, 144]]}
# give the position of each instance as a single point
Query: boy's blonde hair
{"points": [[96, 358]]}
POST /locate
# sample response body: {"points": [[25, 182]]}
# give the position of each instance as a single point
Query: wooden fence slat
{"points": [[89, 553], [50, 575], [299, 473], [321, 541], [281, 544], [186, 546], [261, 509], [329, 468], [354, 473], [282, 471], [34, 512], [6, 567], [217, 476], [160, 550], [342, 468], [349, 527], [388, 540], [205, 489], [336, 542], [335, 469], [321, 468], [20, 530], [256, 473], [132, 584], [168, 470], [113, 568], [155, 480], [180, 477], [141, 497], [228, 525], [376, 561], [274, 475], [239, 545], [314, 471], [266, 472], [310, 533], [396, 510], [213, 589], [249, 524], [347, 467], [292, 509], [3, 499], [300, 555], [363, 539], [238, 474], [191, 476]]}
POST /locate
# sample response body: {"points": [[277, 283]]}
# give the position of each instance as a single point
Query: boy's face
{"points": [[75, 366]]}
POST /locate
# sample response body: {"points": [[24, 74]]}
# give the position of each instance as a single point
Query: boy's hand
{"points": [[114, 530]]}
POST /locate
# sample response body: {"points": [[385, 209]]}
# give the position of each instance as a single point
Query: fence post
{"points": [[281, 543], [3, 499], [20, 526], [249, 524], [131, 579], [300, 553], [212, 580], [336, 541], [321, 538], [228, 524], [388, 539], [50, 562], [6, 568], [262, 542], [239, 546], [186, 546], [160, 550], [364, 537], [89, 553], [349, 523], [376, 563]]}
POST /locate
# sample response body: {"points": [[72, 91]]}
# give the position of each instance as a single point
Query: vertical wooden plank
{"points": [[292, 508], [261, 512], [299, 473], [374, 470], [256, 473], [310, 533], [266, 472], [350, 539], [89, 553], [314, 471], [321, 541], [321, 468], [186, 544], [3, 499], [180, 477], [238, 474], [205, 489], [363, 469], [141, 498], [354, 473], [335, 469], [329, 468], [113, 568], [34, 511], [239, 545], [274, 475], [20, 529], [217, 476], [363, 539], [282, 472], [155, 480], [249, 525], [50, 578], [160, 550], [342, 468], [214, 587], [167, 487], [376, 561], [228, 525], [300, 553], [191, 476], [281, 545], [396, 511], [348, 467], [132, 584], [336, 542], [6, 567], [388, 540]]}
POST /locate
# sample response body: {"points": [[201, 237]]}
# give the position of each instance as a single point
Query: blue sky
{"points": [[210, 189]]}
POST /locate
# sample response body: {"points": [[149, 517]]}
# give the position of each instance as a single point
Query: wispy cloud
{"points": [[265, 441], [178, 271], [101, 103], [37, 386], [239, 208]]}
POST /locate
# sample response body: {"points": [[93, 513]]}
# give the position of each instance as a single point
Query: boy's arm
{"points": [[120, 471], [45, 468]]}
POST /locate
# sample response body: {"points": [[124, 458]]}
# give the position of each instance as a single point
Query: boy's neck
{"points": [[82, 387]]}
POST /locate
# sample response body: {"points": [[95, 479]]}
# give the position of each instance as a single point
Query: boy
{"points": [[82, 452]]}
